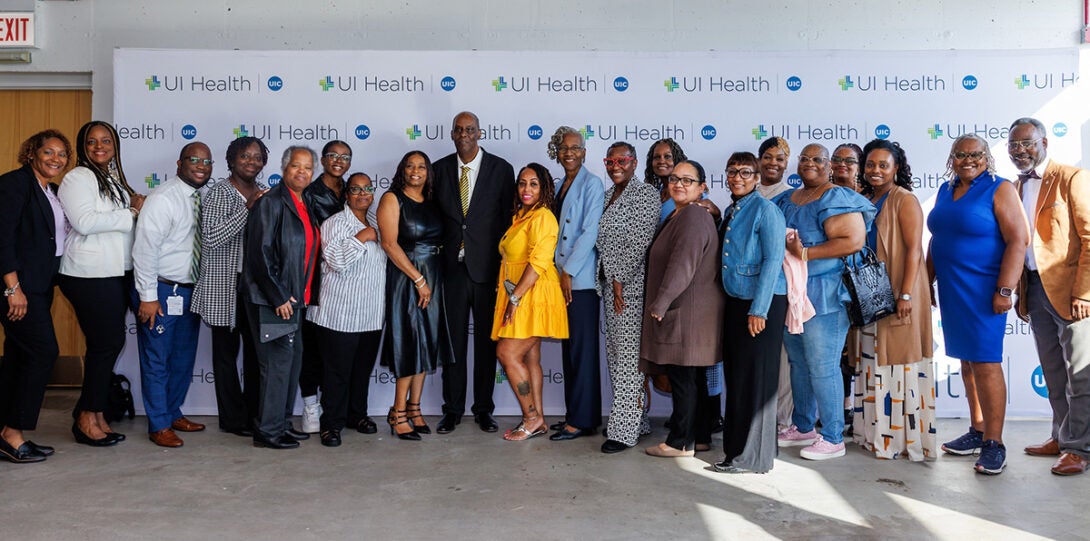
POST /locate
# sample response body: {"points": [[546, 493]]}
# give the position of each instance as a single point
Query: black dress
{"points": [[416, 340]]}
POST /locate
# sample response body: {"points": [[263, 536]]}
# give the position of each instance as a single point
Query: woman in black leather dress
{"points": [[416, 339]]}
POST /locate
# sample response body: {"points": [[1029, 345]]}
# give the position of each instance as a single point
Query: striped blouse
{"points": [[353, 278]]}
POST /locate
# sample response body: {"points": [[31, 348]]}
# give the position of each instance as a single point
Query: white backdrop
{"points": [[384, 103]]}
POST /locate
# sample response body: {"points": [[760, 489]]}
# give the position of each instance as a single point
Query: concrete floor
{"points": [[470, 485]]}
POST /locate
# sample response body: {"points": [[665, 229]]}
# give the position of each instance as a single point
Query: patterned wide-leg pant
{"points": [[626, 414]]}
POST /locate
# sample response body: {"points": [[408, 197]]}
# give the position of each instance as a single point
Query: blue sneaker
{"points": [[993, 458], [966, 444]]}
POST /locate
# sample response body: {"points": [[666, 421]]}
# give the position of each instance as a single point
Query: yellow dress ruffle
{"points": [[531, 240]]}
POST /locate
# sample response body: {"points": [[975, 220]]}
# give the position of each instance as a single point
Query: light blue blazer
{"points": [[575, 251]]}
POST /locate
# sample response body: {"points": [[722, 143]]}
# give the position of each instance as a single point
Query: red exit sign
{"points": [[16, 29]]}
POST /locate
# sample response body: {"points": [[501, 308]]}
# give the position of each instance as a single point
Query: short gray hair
{"points": [[1041, 132], [291, 150]]}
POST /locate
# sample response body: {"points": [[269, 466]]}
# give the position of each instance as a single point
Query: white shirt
{"points": [[1031, 189], [163, 245], [100, 242], [474, 169], [353, 294]]}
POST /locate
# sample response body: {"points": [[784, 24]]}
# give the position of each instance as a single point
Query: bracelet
{"points": [[11, 290], [804, 254], [420, 285], [419, 279]]}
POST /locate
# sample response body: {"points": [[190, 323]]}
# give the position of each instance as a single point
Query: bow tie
{"points": [[1026, 176]]}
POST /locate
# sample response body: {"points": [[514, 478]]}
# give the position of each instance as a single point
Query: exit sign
{"points": [[16, 29]]}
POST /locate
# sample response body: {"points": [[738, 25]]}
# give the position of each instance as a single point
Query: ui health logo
{"points": [[199, 83], [431, 132], [547, 83], [893, 83], [983, 130], [587, 132], [1044, 81], [153, 82], [499, 83], [845, 82], [372, 83], [240, 131], [413, 132], [720, 84], [671, 84], [152, 180], [326, 83], [759, 133], [935, 132]]}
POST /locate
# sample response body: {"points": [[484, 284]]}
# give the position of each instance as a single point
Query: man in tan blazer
{"points": [[1054, 292]]}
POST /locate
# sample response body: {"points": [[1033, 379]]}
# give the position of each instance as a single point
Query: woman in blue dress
{"points": [[977, 251]]}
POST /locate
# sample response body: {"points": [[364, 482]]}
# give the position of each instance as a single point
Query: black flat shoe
{"points": [[558, 425], [565, 435], [331, 438], [105, 441], [447, 423], [116, 436], [295, 435], [43, 450], [23, 455], [486, 422], [366, 426], [278, 443], [613, 446]]}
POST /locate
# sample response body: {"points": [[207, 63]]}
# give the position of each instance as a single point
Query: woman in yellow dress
{"points": [[530, 305]]}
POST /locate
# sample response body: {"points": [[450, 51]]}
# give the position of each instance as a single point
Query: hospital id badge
{"points": [[175, 305]]}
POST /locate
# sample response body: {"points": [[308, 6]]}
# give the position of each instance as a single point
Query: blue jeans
{"points": [[167, 354], [816, 383]]}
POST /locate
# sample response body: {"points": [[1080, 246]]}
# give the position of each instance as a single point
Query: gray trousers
{"points": [[1063, 347], [279, 362]]}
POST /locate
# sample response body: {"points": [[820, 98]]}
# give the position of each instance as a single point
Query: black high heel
{"points": [[400, 419], [88, 440], [411, 407]]}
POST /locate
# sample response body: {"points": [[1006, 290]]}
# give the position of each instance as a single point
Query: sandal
{"points": [[413, 411], [520, 433]]}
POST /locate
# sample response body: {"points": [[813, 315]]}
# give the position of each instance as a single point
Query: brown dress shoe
{"points": [[1070, 464], [165, 438], [181, 424], [1048, 448]]}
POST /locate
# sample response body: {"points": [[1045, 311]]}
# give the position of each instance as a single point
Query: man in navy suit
{"points": [[476, 191]]}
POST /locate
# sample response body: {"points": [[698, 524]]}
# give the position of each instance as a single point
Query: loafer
{"points": [[23, 455], [181, 424], [1070, 464], [663, 450], [366, 426], [277, 443], [293, 434], [448, 423], [104, 441], [165, 438], [565, 435], [613, 446], [43, 450], [1049, 448], [331, 438], [486, 422]]}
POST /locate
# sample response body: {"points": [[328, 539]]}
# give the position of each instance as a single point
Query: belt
{"points": [[426, 249], [162, 280]]}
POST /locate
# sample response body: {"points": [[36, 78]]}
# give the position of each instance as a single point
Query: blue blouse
{"points": [[753, 250], [823, 285]]}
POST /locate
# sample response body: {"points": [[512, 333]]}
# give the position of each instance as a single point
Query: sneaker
{"points": [[793, 438], [993, 458], [966, 444], [311, 415], [822, 450]]}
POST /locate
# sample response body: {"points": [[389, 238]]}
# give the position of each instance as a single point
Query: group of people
{"points": [[746, 302]]}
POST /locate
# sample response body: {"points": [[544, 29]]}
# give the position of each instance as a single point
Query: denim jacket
{"points": [[753, 250]]}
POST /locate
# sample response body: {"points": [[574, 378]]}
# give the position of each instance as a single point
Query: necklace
{"points": [[814, 192]]}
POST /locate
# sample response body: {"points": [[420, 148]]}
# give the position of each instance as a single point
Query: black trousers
{"points": [[278, 362], [235, 400], [310, 375], [348, 358], [461, 294], [581, 360], [30, 349], [690, 422], [751, 376], [100, 305]]}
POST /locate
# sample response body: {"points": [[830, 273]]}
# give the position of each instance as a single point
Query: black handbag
{"points": [[119, 401], [868, 284]]}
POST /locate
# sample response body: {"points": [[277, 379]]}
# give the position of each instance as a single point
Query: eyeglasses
{"points": [[573, 148], [837, 160], [816, 160], [332, 156], [1024, 144], [357, 190], [686, 182], [971, 155], [195, 160], [623, 161], [744, 174]]}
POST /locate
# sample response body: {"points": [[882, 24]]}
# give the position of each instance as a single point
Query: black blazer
{"points": [[28, 235], [275, 262], [490, 208]]}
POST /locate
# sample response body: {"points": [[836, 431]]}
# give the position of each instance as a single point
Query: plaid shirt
{"points": [[223, 219]]}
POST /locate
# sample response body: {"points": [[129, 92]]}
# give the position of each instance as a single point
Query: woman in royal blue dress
{"points": [[977, 251]]}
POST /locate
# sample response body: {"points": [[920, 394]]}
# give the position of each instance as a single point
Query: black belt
{"points": [[162, 280]]}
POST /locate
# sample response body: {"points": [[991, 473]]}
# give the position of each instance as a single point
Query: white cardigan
{"points": [[100, 243]]}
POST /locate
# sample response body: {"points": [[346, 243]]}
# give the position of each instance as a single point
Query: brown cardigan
{"points": [[682, 266], [902, 341]]}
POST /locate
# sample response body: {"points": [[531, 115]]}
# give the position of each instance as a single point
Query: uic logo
{"points": [[882, 131], [845, 82], [275, 83], [274, 179], [189, 131], [448, 83], [969, 82], [153, 82], [794, 83], [708, 132], [587, 132], [363, 132], [535, 132], [759, 133], [326, 83], [152, 180], [935, 132], [794, 180], [240, 131], [1059, 129], [1037, 381], [620, 84]]}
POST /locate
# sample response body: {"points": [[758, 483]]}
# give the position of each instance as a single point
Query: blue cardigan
{"points": [[575, 251]]}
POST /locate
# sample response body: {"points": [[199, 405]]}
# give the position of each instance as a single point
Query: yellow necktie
{"points": [[463, 188]]}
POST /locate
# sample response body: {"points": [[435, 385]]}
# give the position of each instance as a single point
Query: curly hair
{"points": [[35, 142], [242, 143], [649, 175], [548, 188], [110, 186], [397, 183], [558, 137], [904, 172], [950, 160]]}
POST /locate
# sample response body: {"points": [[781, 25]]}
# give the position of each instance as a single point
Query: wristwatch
{"points": [[906, 297], [1004, 291], [514, 299]]}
